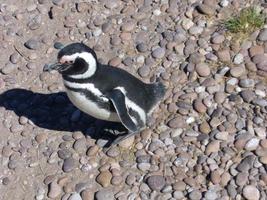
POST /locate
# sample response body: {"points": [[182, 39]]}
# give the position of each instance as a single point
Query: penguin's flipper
{"points": [[118, 100]]}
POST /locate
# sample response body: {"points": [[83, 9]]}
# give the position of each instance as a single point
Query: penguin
{"points": [[104, 91]]}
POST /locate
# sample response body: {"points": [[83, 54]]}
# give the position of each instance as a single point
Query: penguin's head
{"points": [[75, 60]]}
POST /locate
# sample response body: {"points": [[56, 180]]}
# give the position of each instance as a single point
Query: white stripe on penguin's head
{"points": [[88, 57]]}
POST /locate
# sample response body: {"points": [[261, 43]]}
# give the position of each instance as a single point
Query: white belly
{"points": [[91, 108]]}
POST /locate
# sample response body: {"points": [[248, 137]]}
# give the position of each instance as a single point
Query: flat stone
{"points": [[224, 56], [237, 71], [195, 195], [238, 59], [247, 83], [177, 122], [9, 68], [252, 144]]}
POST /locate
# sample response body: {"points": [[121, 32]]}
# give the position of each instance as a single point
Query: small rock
{"points": [[9, 68], [237, 71], [75, 196], [156, 182], [222, 136], [104, 194], [32, 44], [252, 144], [246, 83], [224, 56], [263, 35], [69, 164], [158, 53], [213, 147], [203, 69], [247, 95], [177, 122], [238, 59], [87, 195], [195, 195], [104, 178], [250, 192], [205, 9], [54, 190], [144, 71]]}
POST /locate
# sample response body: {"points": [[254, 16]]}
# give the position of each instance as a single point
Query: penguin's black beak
{"points": [[50, 67]]}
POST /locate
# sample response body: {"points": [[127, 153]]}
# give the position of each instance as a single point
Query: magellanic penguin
{"points": [[106, 92]]}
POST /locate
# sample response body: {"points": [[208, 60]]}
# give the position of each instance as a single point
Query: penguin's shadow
{"points": [[54, 111]]}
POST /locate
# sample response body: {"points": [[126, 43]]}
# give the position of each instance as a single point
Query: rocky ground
{"points": [[207, 140]]}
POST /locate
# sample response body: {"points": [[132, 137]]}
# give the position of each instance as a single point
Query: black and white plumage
{"points": [[106, 92]]}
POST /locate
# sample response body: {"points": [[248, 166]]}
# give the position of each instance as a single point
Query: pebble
{"points": [[252, 144], [205, 9], [263, 35], [127, 143], [69, 164], [203, 69], [177, 122], [158, 53], [75, 196], [195, 195], [104, 194], [54, 190], [87, 195], [104, 178], [212, 147], [238, 59], [246, 83], [237, 71], [9, 68], [224, 56], [156, 182], [247, 95], [250, 192], [32, 44]]}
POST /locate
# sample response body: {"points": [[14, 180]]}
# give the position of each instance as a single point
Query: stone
{"points": [[250, 192], [69, 164], [54, 190], [205, 9], [104, 178], [238, 59], [252, 144], [246, 83], [199, 106], [202, 69], [212, 147], [158, 53], [104, 194], [224, 56], [222, 135], [237, 71], [75, 196], [195, 195], [87, 195], [32, 44], [263, 35], [9, 68], [156, 182], [177, 122], [144, 71], [247, 95]]}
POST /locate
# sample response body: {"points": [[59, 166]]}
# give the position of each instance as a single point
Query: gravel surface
{"points": [[207, 140]]}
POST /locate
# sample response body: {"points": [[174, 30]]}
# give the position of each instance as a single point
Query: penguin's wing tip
{"points": [[117, 98]]}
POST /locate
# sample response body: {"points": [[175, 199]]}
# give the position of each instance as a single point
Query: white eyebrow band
{"points": [[89, 58]]}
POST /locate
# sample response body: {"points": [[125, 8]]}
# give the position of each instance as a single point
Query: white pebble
{"points": [[232, 81], [238, 59], [200, 89], [157, 12], [190, 120], [224, 3], [260, 93]]}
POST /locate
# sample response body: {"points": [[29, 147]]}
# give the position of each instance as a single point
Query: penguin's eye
{"points": [[71, 61]]}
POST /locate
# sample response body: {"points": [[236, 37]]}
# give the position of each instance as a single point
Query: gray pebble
{"points": [[158, 53], [156, 182], [104, 194], [246, 83], [9, 68], [69, 164], [263, 35], [32, 44]]}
